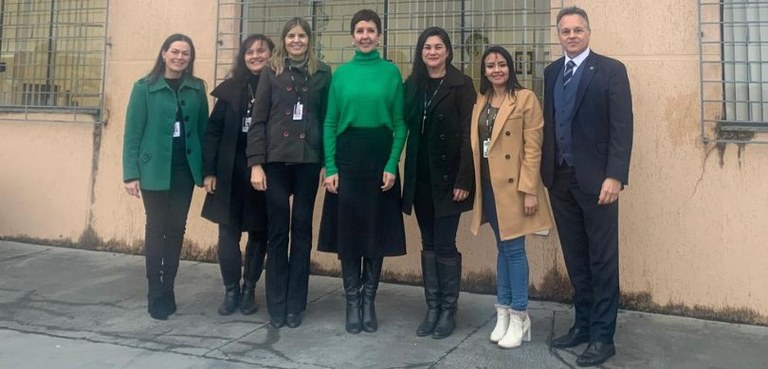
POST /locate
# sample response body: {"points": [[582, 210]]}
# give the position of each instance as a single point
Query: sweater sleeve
{"points": [[399, 130], [330, 129]]}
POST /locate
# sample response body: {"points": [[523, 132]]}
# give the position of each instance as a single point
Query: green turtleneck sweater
{"points": [[366, 92]]}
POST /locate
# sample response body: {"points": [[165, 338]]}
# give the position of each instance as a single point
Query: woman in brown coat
{"points": [[506, 141]]}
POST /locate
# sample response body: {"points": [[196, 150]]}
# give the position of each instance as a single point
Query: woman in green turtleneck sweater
{"points": [[364, 133]]}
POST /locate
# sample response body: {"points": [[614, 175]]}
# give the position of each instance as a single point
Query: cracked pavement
{"points": [[66, 308]]}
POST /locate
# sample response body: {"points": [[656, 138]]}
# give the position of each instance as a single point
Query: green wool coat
{"points": [[148, 138]]}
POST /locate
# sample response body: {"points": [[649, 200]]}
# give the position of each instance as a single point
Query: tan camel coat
{"points": [[514, 159]]}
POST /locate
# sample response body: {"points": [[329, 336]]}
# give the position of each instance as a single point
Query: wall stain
{"points": [[554, 287]]}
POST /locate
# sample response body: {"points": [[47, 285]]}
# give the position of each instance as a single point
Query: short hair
{"points": [[572, 10], [367, 15]]}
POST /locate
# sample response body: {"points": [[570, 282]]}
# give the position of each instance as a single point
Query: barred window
{"points": [[524, 27], [734, 70], [52, 56]]}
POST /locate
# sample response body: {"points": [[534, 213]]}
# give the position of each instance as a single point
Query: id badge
{"points": [[298, 111], [176, 129], [246, 124], [486, 147]]}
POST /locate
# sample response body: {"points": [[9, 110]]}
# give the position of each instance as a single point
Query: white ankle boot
{"points": [[519, 330], [502, 322]]}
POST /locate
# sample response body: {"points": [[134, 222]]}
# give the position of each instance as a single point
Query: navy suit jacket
{"points": [[601, 127]]}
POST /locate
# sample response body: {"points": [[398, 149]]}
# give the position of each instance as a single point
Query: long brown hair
{"points": [[277, 62]]}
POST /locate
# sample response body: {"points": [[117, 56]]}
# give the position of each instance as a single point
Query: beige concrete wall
{"points": [[691, 219]]}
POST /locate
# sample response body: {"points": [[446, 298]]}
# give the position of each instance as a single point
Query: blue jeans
{"points": [[511, 261]]}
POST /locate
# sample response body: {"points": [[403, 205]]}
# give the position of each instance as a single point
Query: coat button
{"points": [[507, 156], [445, 178], [442, 137], [305, 88], [285, 133], [301, 135], [189, 151], [507, 133], [186, 118], [440, 117], [287, 112], [189, 134], [443, 157], [289, 88], [183, 103], [511, 180]]}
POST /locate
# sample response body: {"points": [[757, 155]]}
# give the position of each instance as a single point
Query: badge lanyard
{"points": [[489, 120], [247, 118], [427, 104], [298, 109]]}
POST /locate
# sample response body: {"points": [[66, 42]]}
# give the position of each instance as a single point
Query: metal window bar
{"points": [[733, 64], [53, 53], [524, 27]]}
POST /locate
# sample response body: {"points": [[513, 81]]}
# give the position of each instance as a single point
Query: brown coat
{"points": [[514, 159]]}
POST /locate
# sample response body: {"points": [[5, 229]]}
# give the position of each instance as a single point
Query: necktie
{"points": [[568, 75]]}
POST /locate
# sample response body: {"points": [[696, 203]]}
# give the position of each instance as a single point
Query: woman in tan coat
{"points": [[506, 145]]}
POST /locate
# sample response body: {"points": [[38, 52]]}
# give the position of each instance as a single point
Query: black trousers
{"points": [[287, 277], [230, 257], [438, 234], [589, 236], [166, 213]]}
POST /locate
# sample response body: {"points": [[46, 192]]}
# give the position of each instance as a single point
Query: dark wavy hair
{"points": [[367, 15], [240, 71], [512, 84], [159, 69], [419, 73]]}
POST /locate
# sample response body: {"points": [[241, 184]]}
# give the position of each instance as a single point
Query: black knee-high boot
{"points": [[350, 270], [449, 276], [431, 293], [371, 274]]}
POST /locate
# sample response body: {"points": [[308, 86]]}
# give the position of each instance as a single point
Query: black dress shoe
{"points": [[574, 337], [293, 320], [596, 354], [277, 321]]}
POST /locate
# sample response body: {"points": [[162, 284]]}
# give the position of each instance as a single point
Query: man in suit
{"points": [[585, 164]]}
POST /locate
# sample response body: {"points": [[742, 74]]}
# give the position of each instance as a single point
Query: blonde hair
{"points": [[277, 61]]}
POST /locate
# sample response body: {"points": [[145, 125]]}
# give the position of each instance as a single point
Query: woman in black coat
{"points": [[439, 176], [231, 201]]}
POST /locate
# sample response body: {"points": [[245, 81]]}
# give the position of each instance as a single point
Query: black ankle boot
{"points": [[156, 308], [251, 275], [431, 293], [231, 299], [371, 274], [350, 270], [169, 296], [155, 299], [449, 277]]}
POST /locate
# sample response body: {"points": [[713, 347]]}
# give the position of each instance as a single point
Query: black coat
{"points": [[274, 135], [450, 153], [235, 202]]}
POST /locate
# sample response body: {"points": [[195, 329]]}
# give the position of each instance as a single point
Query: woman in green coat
{"points": [[162, 156]]}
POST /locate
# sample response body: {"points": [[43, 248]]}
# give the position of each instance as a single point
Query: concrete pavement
{"points": [[66, 308]]}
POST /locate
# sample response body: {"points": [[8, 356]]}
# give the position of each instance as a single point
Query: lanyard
{"points": [[250, 102], [293, 82], [427, 104], [490, 120]]}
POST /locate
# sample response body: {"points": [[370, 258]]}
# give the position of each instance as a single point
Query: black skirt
{"points": [[362, 220]]}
